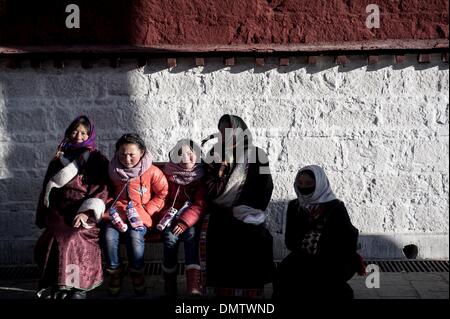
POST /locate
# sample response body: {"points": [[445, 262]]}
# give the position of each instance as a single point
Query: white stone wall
{"points": [[381, 132]]}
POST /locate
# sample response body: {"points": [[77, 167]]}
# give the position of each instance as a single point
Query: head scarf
{"points": [[178, 174], [234, 145], [322, 193], [240, 134], [67, 145]]}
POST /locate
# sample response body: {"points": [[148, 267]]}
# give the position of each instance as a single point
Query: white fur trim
{"points": [[95, 204], [61, 178], [193, 266]]}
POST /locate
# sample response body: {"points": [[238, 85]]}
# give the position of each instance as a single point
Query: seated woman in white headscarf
{"points": [[322, 241]]}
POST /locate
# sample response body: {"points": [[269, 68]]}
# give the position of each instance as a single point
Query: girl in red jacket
{"points": [[140, 189], [185, 174]]}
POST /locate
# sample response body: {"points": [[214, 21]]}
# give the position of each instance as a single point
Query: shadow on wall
{"points": [[370, 246], [247, 64], [36, 106], [405, 246], [379, 247], [24, 134]]}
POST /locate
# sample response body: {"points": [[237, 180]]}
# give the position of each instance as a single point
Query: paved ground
{"points": [[404, 286], [392, 286]]}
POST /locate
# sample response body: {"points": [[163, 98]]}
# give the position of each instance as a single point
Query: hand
{"points": [[178, 230], [223, 168], [58, 154], [80, 219]]}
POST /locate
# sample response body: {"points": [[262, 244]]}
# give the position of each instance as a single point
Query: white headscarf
{"points": [[322, 193]]}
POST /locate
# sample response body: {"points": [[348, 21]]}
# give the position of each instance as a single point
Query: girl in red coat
{"points": [[185, 174], [140, 189]]}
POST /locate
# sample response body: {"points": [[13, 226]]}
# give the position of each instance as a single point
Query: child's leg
{"points": [[191, 247], [135, 243], [171, 243], [192, 258], [112, 247], [112, 252]]}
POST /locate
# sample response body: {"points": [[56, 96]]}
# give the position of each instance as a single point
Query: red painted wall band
{"points": [[218, 22]]}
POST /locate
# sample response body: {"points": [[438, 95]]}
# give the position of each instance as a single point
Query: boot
{"points": [[138, 280], [170, 284], [193, 284], [115, 281]]}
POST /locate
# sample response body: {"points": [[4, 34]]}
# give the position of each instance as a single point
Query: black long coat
{"points": [[336, 260], [239, 255]]}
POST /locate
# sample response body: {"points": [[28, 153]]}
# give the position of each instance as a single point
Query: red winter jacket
{"points": [[147, 192]]}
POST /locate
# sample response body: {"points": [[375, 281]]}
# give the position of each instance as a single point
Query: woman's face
{"points": [[306, 184], [79, 134], [188, 157], [130, 155]]}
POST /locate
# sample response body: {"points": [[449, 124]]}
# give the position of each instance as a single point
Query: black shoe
{"points": [[78, 295], [61, 294]]}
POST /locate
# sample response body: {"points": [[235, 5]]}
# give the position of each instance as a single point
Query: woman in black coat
{"points": [[239, 253], [322, 241]]}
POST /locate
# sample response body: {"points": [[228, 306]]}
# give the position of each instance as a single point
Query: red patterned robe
{"points": [[63, 251]]}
